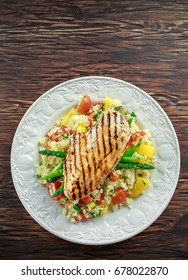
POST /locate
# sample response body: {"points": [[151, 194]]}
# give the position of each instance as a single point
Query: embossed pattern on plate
{"points": [[112, 227]]}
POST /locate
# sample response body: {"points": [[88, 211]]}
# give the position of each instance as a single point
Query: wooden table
{"points": [[44, 43]]}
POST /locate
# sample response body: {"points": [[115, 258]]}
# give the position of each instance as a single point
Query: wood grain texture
{"points": [[43, 43]]}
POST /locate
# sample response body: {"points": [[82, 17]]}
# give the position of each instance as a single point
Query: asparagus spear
{"points": [[129, 159], [53, 153], [135, 165], [131, 151], [127, 162], [59, 191], [56, 172], [75, 207], [98, 115], [51, 180]]}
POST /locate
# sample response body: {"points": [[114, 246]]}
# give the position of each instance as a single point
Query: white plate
{"points": [[112, 227]]}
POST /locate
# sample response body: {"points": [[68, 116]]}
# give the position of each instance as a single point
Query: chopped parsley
{"points": [[75, 207], [118, 108], [98, 115], [133, 115], [94, 214], [124, 177], [143, 182]]}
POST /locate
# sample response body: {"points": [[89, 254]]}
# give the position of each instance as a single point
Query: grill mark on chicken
{"points": [[91, 157], [121, 119], [76, 166], [78, 189], [106, 141], [115, 127], [89, 170], [70, 164], [103, 140], [81, 146], [97, 142], [74, 145], [76, 158], [106, 134], [74, 196], [109, 131], [115, 130], [87, 163], [91, 167]]}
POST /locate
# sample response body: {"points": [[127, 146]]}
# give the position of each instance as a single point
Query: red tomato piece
{"points": [[114, 176], [54, 137], [85, 105], [90, 121], [63, 128], [80, 217], [47, 147], [119, 197], [135, 139], [53, 187], [101, 200], [71, 131], [86, 199]]}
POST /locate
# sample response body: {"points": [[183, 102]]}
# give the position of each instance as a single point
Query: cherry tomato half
{"points": [[114, 176], [101, 200], [80, 217], [90, 121], [119, 197], [63, 128], [86, 199], [135, 139], [53, 187], [54, 137], [85, 105]]}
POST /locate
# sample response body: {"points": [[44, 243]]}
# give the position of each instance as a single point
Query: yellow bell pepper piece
{"points": [[146, 150], [81, 128], [107, 103], [91, 205], [104, 210], [67, 117], [140, 186]]}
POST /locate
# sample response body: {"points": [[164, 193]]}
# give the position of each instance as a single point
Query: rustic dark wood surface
{"points": [[43, 43]]}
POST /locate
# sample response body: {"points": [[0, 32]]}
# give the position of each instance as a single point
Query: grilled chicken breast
{"points": [[91, 157]]}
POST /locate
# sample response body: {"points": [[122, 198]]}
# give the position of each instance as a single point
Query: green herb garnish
{"points": [[59, 191], [94, 215], [98, 115], [129, 159], [75, 207], [51, 180], [118, 108], [124, 177], [56, 172], [133, 115], [131, 151]]}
